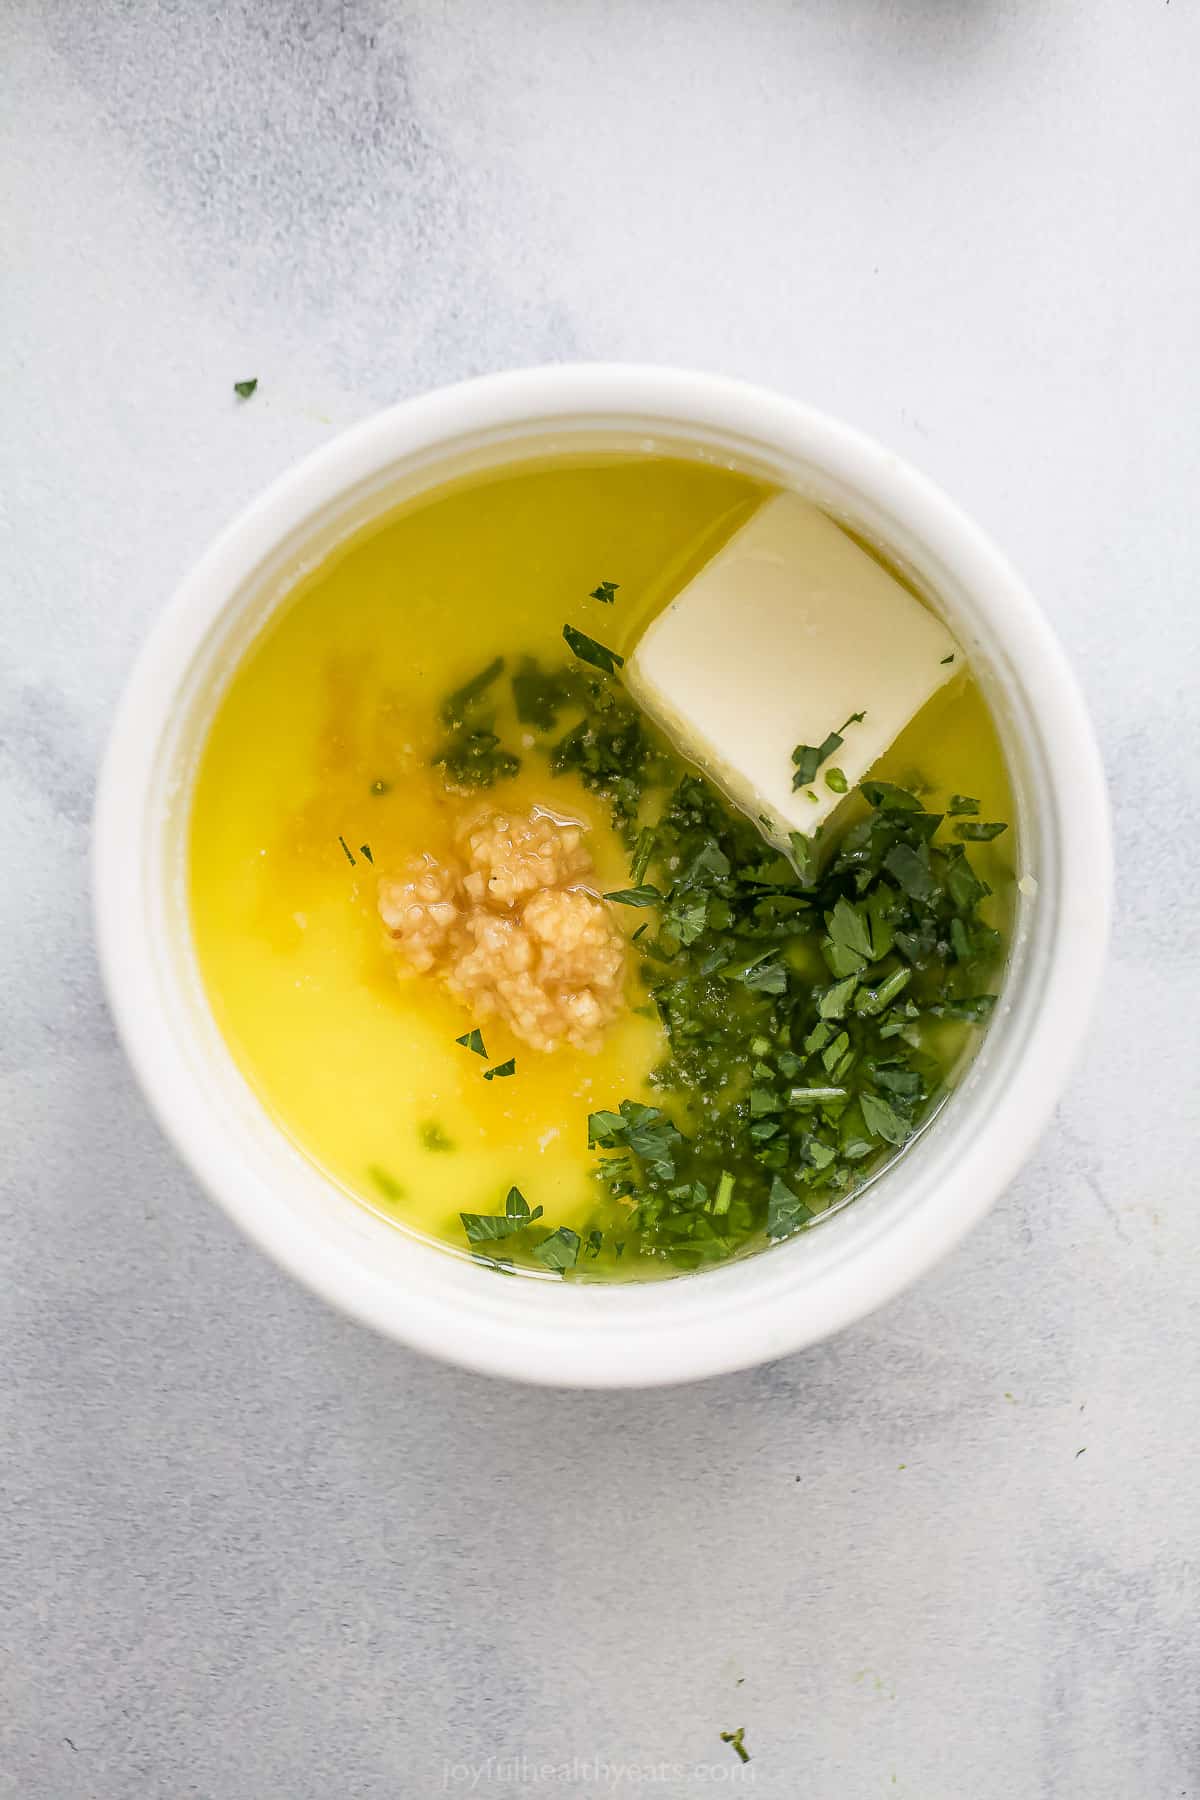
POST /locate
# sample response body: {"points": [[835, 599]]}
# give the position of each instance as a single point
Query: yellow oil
{"points": [[338, 698]]}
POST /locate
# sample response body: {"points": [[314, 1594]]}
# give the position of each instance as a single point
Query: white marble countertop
{"points": [[246, 1549]]}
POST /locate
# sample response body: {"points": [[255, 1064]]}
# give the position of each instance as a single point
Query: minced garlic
{"points": [[509, 927]]}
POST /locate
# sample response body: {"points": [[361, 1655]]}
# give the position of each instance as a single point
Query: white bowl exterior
{"points": [[581, 1334]]}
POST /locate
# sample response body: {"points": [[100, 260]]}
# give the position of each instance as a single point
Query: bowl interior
{"points": [[596, 1334]]}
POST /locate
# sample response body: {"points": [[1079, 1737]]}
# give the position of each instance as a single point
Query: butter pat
{"points": [[786, 633]]}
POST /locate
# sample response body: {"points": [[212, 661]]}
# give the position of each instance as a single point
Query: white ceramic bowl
{"points": [[569, 1333]]}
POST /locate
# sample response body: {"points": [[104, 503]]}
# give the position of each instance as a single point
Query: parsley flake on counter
{"points": [[244, 389], [734, 1739]]}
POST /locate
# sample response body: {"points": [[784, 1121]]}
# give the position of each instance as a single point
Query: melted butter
{"points": [[340, 694]]}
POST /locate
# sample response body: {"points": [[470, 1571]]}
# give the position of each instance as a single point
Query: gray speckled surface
{"points": [[246, 1550]]}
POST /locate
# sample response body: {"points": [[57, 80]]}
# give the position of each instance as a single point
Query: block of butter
{"points": [[787, 633]]}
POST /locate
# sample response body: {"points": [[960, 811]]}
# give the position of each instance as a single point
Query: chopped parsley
{"points": [[809, 757], [589, 651], [734, 1739], [947, 659], [350, 858], [610, 750], [365, 850], [456, 707], [643, 850], [560, 1250], [487, 1227], [643, 895], [977, 831], [388, 1186], [797, 1008], [557, 1249], [476, 759], [645, 1130], [606, 593], [810, 1001], [539, 695], [244, 389], [473, 755]]}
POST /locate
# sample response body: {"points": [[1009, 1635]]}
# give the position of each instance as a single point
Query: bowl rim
{"points": [[751, 1318]]}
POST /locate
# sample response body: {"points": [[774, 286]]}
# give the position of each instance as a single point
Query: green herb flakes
{"points": [[645, 1130], [809, 757], [501, 1071], [539, 695], [244, 389], [805, 997], [734, 1738], [472, 1040], [456, 707], [645, 895], [560, 1250], [643, 850], [387, 1185], [606, 593], [882, 1120], [589, 651], [911, 869], [476, 759], [473, 755], [486, 1227]]}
